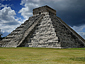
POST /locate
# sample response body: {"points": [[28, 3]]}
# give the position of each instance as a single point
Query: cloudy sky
{"points": [[15, 12]]}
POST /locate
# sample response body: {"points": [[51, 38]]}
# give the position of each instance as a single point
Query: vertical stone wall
{"points": [[43, 9]]}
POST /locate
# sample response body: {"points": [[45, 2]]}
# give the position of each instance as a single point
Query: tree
{"points": [[0, 35]]}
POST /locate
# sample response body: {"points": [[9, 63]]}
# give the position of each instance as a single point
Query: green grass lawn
{"points": [[42, 56]]}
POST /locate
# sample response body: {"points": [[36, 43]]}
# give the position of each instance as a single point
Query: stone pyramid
{"points": [[43, 29]]}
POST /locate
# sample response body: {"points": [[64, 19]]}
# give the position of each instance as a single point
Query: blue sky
{"points": [[15, 12]]}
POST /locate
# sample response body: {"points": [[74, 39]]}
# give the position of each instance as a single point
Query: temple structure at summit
{"points": [[43, 29]]}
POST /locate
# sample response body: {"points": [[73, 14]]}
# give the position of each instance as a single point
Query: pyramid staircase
{"points": [[43, 29], [45, 35], [16, 36]]}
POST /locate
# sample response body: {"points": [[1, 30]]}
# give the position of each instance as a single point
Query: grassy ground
{"points": [[42, 56]]}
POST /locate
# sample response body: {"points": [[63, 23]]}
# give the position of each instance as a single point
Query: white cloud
{"points": [[8, 22], [8, 28], [29, 5], [7, 19], [32, 4], [36, 0], [1, 5], [59, 5], [82, 34], [80, 30], [26, 11]]}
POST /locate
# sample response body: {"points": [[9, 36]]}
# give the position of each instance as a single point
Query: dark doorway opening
{"points": [[39, 13]]}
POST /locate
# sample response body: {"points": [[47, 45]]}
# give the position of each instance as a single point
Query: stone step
{"points": [[45, 23], [6, 40], [45, 29], [42, 29], [46, 16], [10, 37], [15, 35], [43, 26], [46, 43], [29, 43], [20, 27], [44, 39], [45, 19], [43, 35], [52, 41], [47, 33], [25, 22], [16, 32]]}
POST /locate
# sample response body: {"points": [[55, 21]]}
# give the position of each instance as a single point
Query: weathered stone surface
{"points": [[43, 29], [44, 34], [14, 38], [43, 10]]}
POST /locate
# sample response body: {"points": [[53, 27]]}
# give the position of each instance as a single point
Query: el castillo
{"points": [[43, 29]]}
